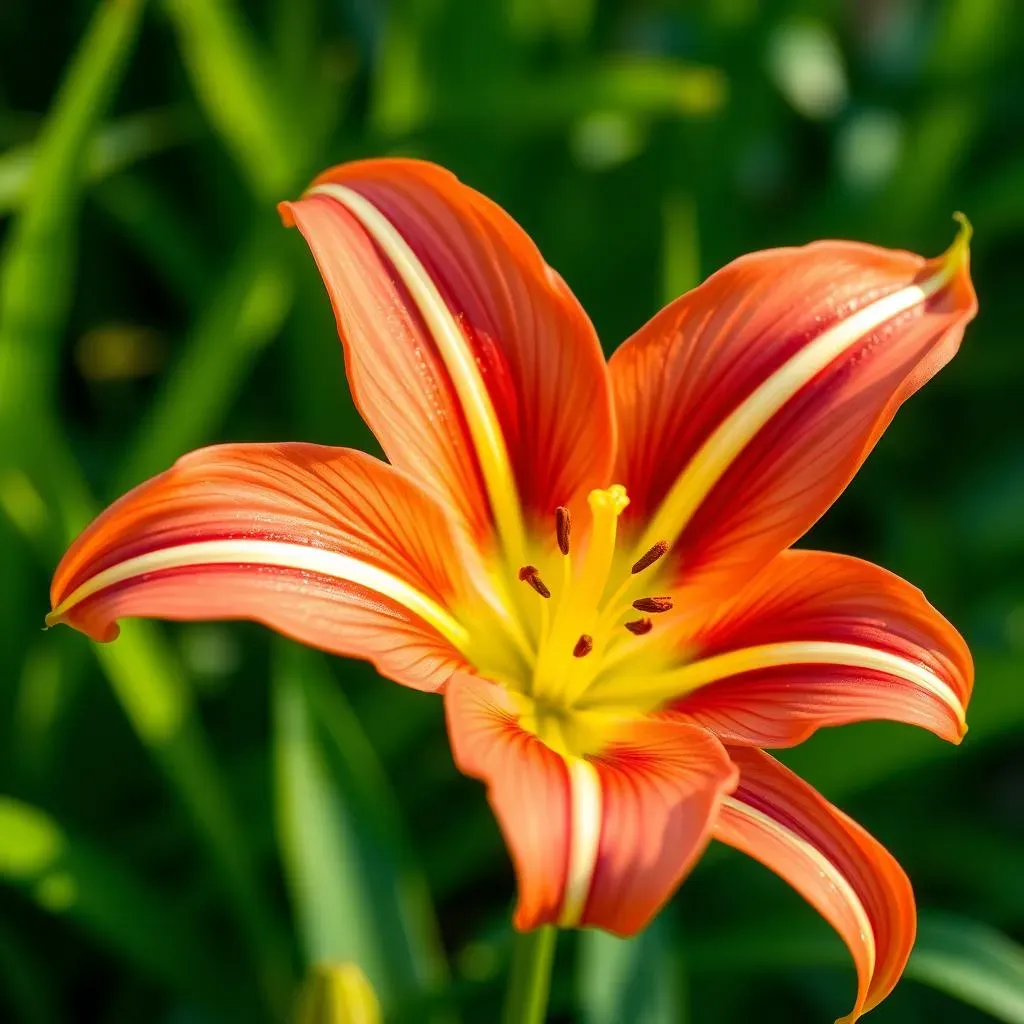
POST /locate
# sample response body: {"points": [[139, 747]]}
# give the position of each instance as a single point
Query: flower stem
{"points": [[527, 999]]}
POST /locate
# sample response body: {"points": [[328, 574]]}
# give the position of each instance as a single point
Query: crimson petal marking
{"points": [[921, 673], [720, 450], [327, 545], [458, 359]]}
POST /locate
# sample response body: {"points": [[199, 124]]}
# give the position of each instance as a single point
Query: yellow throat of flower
{"points": [[579, 623]]}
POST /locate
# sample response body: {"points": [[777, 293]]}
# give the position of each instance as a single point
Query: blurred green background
{"points": [[192, 816]]}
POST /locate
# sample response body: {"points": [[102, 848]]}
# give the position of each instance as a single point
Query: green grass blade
{"points": [[244, 314], [24, 981], [150, 684], [643, 86], [161, 232], [964, 958], [36, 273], [357, 898], [115, 147], [232, 78], [972, 962], [68, 877], [680, 259], [638, 980]]}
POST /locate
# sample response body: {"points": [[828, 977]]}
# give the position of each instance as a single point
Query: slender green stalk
{"points": [[530, 980]]}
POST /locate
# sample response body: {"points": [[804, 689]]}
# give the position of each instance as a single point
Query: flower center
{"points": [[583, 620]]}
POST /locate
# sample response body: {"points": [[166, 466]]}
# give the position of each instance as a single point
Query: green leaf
{"points": [[150, 683], [644, 86], [232, 78], [243, 315], [161, 231], [971, 962], [638, 980], [680, 261], [115, 147], [966, 959], [24, 981], [357, 896], [37, 269], [68, 877]]}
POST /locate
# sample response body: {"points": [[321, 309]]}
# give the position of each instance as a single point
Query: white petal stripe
{"points": [[584, 839], [488, 439], [665, 686], [271, 553], [720, 450], [825, 867]]}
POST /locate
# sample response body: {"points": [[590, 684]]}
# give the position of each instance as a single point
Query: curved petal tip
{"points": [[959, 253], [284, 211]]}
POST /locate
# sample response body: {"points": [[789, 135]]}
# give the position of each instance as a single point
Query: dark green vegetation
{"points": [[193, 814]]}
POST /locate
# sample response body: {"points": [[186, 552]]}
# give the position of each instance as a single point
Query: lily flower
{"points": [[591, 561]]}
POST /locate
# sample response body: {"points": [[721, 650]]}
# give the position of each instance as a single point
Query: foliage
{"points": [[193, 815]]}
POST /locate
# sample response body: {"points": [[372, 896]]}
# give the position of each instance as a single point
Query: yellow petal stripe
{"points": [[720, 450], [271, 553], [584, 839], [657, 688], [484, 428]]}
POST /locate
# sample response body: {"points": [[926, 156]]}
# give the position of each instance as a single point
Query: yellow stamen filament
{"points": [[271, 553], [484, 428], [825, 868], [721, 449], [556, 677], [656, 689], [584, 838]]}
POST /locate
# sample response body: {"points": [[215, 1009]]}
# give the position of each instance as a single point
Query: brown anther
{"points": [[529, 574], [644, 561], [583, 647], [563, 528], [653, 604], [640, 626]]}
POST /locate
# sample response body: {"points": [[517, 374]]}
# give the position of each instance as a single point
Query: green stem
{"points": [[532, 957]]}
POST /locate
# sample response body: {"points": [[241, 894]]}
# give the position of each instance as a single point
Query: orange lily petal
{"points": [[746, 406], [662, 786], [599, 842], [467, 354], [847, 876], [822, 639], [326, 545], [528, 789]]}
